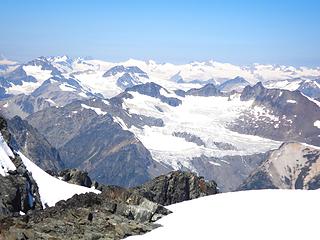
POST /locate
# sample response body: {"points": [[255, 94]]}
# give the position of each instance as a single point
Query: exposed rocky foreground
{"points": [[114, 214]]}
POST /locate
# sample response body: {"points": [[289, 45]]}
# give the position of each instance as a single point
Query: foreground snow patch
{"points": [[261, 214], [5, 153], [317, 124], [51, 189]]}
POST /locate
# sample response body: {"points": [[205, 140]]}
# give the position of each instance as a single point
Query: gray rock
{"points": [[228, 171], [189, 137], [122, 69], [76, 176], [18, 190], [237, 84], [176, 187], [153, 90], [114, 214], [206, 91]]}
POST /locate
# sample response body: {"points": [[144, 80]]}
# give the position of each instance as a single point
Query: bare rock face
{"points": [[176, 187], [34, 145], [18, 193], [292, 166]]}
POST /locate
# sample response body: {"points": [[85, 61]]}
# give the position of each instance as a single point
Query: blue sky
{"points": [[239, 32]]}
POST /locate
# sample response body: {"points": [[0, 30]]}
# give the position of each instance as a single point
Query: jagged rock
{"points": [[176, 187], [18, 190], [225, 146], [114, 214], [76, 176], [189, 137], [206, 91]]}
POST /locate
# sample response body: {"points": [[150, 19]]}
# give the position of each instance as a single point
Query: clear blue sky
{"points": [[239, 32]]}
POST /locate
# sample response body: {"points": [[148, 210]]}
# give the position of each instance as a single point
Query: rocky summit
{"points": [[176, 187], [114, 214]]}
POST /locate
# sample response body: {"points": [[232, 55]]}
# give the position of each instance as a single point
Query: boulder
{"points": [[176, 187]]}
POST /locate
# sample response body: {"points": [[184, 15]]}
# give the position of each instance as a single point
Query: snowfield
{"points": [[204, 117], [247, 215]]}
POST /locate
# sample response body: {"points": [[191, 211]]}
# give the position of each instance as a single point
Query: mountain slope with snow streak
{"points": [[250, 215], [51, 189], [5, 154]]}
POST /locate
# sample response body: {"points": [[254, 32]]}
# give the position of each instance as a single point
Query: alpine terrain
{"points": [[109, 149]]}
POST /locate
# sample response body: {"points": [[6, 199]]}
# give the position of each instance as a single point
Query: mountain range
{"points": [[158, 117], [138, 124]]}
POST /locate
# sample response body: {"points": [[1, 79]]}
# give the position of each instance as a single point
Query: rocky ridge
{"points": [[292, 166]]}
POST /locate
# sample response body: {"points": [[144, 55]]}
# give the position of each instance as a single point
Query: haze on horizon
{"points": [[270, 32]]}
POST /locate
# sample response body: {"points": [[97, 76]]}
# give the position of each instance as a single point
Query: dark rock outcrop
{"points": [[206, 91], [76, 176], [176, 187], [189, 137], [153, 90], [114, 214], [126, 80], [18, 190], [122, 69]]}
